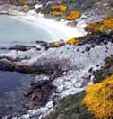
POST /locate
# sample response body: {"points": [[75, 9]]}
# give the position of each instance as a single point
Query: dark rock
{"points": [[97, 65], [39, 93], [105, 70], [44, 44], [49, 66], [96, 39], [90, 70], [83, 52], [87, 49], [78, 50], [20, 48]]}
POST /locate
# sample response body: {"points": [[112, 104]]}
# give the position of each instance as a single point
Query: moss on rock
{"points": [[70, 108], [106, 70]]}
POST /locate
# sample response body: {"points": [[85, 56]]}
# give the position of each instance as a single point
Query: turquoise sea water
{"points": [[13, 31]]}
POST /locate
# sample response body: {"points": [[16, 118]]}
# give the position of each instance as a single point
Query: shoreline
{"points": [[84, 61], [57, 29]]}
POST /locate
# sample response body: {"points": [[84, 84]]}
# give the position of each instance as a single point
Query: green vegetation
{"points": [[70, 108], [105, 70]]}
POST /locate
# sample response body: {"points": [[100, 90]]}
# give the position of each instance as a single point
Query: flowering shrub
{"points": [[73, 41], [106, 24], [99, 99], [58, 10], [73, 15]]}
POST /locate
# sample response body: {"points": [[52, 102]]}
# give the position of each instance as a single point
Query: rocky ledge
{"points": [[57, 71]]}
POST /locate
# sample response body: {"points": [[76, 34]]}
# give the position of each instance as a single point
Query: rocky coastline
{"points": [[55, 77], [60, 72]]}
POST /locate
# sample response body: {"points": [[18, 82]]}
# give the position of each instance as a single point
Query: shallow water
{"points": [[12, 84], [10, 81], [12, 88], [13, 31]]}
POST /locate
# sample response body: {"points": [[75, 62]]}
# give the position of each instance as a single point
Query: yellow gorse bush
{"points": [[99, 99], [73, 41], [58, 10], [106, 24], [73, 15]]}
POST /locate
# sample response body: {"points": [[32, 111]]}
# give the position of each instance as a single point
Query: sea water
{"points": [[12, 84], [13, 32]]}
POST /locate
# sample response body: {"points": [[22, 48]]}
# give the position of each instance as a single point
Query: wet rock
{"points": [[44, 44], [53, 67], [47, 45], [83, 52], [39, 93], [72, 24], [97, 39], [97, 65], [78, 50], [90, 70], [87, 49], [21, 48]]}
